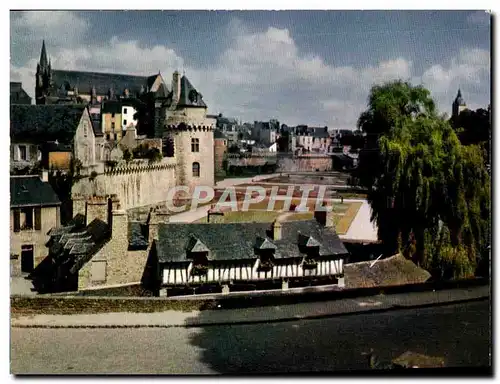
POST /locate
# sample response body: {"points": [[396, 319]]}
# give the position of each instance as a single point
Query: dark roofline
{"points": [[101, 73], [35, 205]]}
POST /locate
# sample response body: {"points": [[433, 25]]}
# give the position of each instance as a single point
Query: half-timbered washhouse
{"points": [[248, 255]]}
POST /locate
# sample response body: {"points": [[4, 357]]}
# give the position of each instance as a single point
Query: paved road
{"points": [[458, 333], [361, 227]]}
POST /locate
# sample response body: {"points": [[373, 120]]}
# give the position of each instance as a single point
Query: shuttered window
{"points": [[38, 218], [17, 220]]}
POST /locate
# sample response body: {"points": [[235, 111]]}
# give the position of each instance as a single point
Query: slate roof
{"points": [[18, 95], [189, 96], [102, 82], [31, 190], [234, 241], [41, 123], [76, 244], [320, 133], [219, 134], [111, 106], [317, 132], [459, 99], [96, 124]]}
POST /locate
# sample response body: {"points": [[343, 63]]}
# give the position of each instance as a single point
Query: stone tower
{"points": [[43, 77], [187, 125], [458, 105]]}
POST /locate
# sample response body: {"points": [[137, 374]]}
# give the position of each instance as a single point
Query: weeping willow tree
{"points": [[429, 195]]}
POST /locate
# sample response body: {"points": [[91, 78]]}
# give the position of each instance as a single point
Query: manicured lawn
{"points": [[342, 221], [311, 205]]}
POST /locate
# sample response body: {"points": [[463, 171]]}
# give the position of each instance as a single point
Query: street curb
{"points": [[396, 307]]}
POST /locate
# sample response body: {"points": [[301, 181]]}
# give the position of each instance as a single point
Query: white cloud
{"points": [[470, 71], [265, 75], [481, 18], [58, 27]]}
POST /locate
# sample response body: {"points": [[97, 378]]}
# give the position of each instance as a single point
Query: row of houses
{"points": [[262, 136], [96, 250]]}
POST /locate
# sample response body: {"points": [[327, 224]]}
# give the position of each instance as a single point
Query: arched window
{"points": [[196, 169]]}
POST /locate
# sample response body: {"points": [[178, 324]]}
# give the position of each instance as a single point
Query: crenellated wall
{"points": [[135, 184]]}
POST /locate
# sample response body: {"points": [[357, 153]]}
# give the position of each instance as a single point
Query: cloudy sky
{"points": [[300, 67]]}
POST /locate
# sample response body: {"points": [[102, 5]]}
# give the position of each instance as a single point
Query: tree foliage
{"points": [[474, 128], [429, 195]]}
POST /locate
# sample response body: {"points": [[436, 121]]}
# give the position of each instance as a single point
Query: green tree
{"points": [[429, 195], [474, 128]]}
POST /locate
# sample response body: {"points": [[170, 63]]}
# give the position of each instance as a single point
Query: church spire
{"points": [[43, 56]]}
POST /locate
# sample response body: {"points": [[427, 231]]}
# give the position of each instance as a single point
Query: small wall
{"points": [[305, 163], [135, 184]]}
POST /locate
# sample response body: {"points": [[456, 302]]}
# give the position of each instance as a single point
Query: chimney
{"points": [[277, 229], [324, 215], [176, 87], [44, 176], [156, 217], [215, 215]]}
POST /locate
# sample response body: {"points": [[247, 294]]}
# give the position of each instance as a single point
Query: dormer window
{"points": [[309, 246], [197, 252], [265, 250]]}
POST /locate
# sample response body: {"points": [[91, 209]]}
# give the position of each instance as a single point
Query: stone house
{"points": [[98, 247], [111, 120], [34, 210], [265, 131], [311, 139], [35, 125]]}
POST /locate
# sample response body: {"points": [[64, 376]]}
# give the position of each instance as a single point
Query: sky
{"points": [[300, 67]]}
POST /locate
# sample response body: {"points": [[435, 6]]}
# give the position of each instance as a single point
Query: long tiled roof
{"points": [[239, 240], [31, 190], [41, 123], [102, 82]]}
